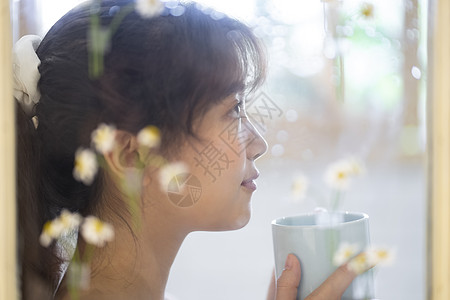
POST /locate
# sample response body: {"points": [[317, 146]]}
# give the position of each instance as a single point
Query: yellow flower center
{"points": [[348, 253], [382, 254], [149, 136], [367, 10], [65, 220], [47, 227], [341, 175], [152, 132], [102, 135], [98, 226], [80, 165], [361, 259]]}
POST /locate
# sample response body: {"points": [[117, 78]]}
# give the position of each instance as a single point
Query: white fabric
{"points": [[25, 72]]}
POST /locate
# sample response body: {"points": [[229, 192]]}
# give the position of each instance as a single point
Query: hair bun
{"points": [[25, 72]]}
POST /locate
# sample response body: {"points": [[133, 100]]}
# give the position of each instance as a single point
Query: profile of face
{"points": [[215, 191], [179, 73]]}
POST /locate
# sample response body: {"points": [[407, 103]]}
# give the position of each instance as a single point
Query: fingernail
{"points": [[288, 263]]}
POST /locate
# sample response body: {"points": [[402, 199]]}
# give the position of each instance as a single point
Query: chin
{"points": [[235, 224], [240, 222]]}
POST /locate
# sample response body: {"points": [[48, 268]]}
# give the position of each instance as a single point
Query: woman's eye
{"points": [[237, 111]]}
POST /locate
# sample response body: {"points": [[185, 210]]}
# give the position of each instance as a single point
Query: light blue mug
{"points": [[314, 238]]}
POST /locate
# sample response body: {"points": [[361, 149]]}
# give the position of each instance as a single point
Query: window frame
{"points": [[8, 252], [438, 233]]}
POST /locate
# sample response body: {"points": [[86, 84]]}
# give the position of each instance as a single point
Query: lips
{"points": [[250, 183]]}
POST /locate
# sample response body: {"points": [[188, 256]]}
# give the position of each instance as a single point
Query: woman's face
{"points": [[215, 192]]}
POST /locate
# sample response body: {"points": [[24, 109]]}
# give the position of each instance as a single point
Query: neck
{"points": [[134, 266]]}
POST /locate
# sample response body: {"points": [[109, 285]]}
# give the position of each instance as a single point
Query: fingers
{"points": [[287, 283], [331, 289], [334, 286]]}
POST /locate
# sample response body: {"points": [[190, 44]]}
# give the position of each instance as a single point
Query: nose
{"points": [[258, 146]]}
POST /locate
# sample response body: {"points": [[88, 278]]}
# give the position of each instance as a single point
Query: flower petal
{"points": [[96, 232], [149, 136], [169, 171], [344, 253], [149, 8], [86, 166], [103, 138]]}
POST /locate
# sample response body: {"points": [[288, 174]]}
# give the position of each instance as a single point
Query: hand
{"points": [[287, 284]]}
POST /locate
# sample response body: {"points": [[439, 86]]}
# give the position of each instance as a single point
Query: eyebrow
{"points": [[230, 101], [237, 87]]}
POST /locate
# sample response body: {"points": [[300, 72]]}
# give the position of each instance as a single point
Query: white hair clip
{"points": [[26, 73]]}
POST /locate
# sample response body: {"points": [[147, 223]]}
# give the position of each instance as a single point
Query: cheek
{"points": [[237, 136], [218, 164]]}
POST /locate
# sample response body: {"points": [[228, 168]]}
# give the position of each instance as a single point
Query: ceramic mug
{"points": [[314, 239]]}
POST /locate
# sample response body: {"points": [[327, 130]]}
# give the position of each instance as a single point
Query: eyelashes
{"points": [[238, 111]]}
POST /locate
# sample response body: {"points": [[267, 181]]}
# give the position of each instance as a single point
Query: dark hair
{"points": [[165, 71]]}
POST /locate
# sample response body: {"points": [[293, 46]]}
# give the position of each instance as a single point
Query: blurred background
{"points": [[346, 79]]}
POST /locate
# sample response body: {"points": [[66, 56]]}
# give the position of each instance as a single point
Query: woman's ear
{"points": [[125, 155]]}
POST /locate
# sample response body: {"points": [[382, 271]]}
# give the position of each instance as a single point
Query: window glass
{"points": [[346, 79]]}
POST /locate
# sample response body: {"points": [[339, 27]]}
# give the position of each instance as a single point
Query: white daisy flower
{"points": [[169, 171], [344, 253], [96, 232], [360, 263], [367, 10], [149, 136], [86, 166], [338, 175], [54, 229], [149, 8], [103, 138], [357, 167], [380, 256], [50, 231], [300, 186], [69, 221]]}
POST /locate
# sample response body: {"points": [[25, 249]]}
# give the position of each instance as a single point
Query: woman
{"points": [[181, 69]]}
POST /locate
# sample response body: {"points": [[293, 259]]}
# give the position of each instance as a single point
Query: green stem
{"points": [[101, 37], [95, 65], [124, 11], [76, 270], [340, 87], [72, 287], [88, 253], [335, 199]]}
